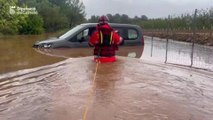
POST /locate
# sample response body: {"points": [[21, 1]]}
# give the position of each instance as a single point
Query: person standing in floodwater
{"points": [[105, 40]]}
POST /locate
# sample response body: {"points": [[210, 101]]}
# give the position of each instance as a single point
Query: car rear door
{"points": [[130, 35]]}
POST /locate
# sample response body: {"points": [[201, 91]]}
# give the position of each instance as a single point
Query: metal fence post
{"points": [[152, 44], [193, 38], [167, 41]]}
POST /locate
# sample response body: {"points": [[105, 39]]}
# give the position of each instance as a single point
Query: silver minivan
{"points": [[78, 37]]}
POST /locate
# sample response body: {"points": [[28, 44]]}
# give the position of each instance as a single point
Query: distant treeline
{"points": [[203, 20], [117, 18], [53, 15]]}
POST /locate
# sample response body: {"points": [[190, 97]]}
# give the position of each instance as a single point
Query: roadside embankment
{"points": [[203, 38]]}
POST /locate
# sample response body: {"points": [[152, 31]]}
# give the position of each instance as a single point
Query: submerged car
{"points": [[79, 36]]}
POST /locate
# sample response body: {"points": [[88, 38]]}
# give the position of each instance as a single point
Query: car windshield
{"points": [[68, 33]]}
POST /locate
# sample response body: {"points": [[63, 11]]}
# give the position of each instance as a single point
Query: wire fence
{"points": [[186, 40], [175, 52]]}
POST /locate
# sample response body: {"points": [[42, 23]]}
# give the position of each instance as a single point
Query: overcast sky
{"points": [[150, 8]]}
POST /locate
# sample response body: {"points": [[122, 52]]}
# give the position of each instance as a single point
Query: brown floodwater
{"points": [[16, 53], [64, 84], [129, 89]]}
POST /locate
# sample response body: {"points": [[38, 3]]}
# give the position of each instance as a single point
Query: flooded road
{"points": [[17, 53], [129, 89]]}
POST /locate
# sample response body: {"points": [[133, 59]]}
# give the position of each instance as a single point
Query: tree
{"points": [[116, 18], [144, 17], [77, 12], [124, 19], [59, 14], [52, 15], [32, 25], [93, 19], [8, 22]]}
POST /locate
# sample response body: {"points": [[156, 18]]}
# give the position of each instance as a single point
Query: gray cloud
{"points": [[150, 8]]}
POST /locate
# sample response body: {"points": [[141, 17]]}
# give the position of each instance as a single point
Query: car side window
{"points": [[84, 35], [127, 33], [132, 34], [120, 31]]}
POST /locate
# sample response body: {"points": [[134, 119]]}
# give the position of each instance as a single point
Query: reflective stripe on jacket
{"points": [[106, 39], [105, 44]]}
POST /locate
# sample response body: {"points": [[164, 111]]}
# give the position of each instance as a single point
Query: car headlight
{"points": [[47, 45]]}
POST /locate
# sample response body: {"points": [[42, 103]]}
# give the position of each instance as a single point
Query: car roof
{"points": [[111, 24]]}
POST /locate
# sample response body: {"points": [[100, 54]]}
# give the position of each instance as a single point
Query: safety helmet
{"points": [[103, 19]]}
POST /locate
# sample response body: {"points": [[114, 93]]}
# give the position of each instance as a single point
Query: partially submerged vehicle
{"points": [[78, 37]]}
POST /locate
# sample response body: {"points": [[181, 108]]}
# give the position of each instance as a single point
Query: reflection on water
{"points": [[82, 52]]}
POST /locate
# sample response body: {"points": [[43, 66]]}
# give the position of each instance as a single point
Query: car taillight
{"points": [[142, 40]]}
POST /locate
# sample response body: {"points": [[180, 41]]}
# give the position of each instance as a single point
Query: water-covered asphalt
{"points": [[129, 89]]}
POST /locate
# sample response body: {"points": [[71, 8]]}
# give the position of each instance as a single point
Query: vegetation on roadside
{"points": [[204, 20], [52, 15]]}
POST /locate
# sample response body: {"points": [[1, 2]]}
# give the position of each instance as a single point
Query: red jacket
{"points": [[106, 39]]}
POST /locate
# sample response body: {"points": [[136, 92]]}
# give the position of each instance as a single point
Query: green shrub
{"points": [[33, 24]]}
